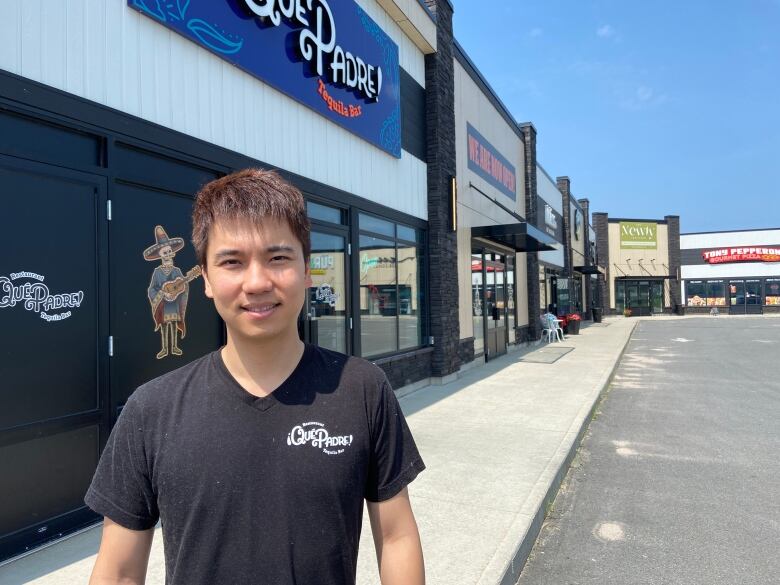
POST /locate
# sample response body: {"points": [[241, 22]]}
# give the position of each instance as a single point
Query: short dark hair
{"points": [[252, 195]]}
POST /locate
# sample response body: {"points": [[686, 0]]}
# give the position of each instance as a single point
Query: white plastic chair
{"points": [[549, 330], [558, 329]]}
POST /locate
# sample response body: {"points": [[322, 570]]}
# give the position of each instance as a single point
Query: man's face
{"points": [[257, 277]]}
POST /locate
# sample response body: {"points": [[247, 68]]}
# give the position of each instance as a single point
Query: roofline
{"points": [[730, 231], [645, 220], [479, 79], [430, 14], [546, 174]]}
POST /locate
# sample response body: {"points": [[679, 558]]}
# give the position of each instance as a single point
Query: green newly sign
{"points": [[638, 235]]}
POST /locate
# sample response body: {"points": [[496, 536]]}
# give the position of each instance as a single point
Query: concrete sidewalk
{"points": [[496, 442]]}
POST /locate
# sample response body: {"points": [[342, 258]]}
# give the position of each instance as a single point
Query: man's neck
{"points": [[260, 368]]}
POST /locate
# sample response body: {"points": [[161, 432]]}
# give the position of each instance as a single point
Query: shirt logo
{"points": [[316, 435]]}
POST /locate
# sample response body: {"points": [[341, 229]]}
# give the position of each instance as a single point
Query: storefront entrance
{"points": [[745, 297], [489, 298], [643, 297]]}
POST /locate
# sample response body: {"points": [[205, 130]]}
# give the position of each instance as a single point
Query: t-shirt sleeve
{"points": [[121, 488], [395, 460]]}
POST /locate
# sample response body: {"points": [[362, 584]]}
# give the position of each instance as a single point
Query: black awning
{"points": [[520, 236], [590, 270]]}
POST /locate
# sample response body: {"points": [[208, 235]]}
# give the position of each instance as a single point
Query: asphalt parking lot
{"points": [[676, 481]]}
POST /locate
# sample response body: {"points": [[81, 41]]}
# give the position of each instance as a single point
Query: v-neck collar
{"points": [[261, 403]]}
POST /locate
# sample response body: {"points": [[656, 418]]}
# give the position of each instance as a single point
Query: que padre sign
{"points": [[328, 55]]}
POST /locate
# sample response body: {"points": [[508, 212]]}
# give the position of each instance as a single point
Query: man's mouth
{"points": [[260, 309]]}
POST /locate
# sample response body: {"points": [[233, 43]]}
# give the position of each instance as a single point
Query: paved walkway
{"points": [[496, 443]]}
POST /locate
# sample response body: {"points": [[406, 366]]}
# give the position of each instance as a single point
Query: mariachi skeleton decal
{"points": [[168, 291]]}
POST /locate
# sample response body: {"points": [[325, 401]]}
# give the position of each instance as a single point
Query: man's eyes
{"points": [[235, 262]]}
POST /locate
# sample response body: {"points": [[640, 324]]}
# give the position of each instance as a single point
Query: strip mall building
{"points": [[736, 272], [424, 194]]}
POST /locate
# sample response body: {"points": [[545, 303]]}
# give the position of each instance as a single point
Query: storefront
{"points": [[551, 263], [112, 115], [642, 264], [489, 203], [736, 272]]}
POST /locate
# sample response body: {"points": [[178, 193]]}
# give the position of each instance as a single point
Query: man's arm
{"points": [[123, 555], [397, 541]]}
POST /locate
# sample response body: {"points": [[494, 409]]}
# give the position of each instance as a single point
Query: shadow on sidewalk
{"points": [[52, 558]]}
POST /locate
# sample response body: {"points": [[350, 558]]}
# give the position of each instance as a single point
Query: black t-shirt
{"points": [[261, 491]]}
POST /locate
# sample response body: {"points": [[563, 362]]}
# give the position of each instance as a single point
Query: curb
{"points": [[523, 550]]}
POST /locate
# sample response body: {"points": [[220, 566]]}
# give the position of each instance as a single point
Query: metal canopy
{"points": [[590, 269], [519, 236]]}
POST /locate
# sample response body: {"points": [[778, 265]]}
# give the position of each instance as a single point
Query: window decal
{"points": [[168, 291]]}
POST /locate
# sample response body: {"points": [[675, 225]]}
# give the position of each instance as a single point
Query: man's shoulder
{"points": [[354, 370], [179, 380]]}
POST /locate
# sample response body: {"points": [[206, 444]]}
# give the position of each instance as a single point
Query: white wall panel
{"points": [[553, 257], [734, 270], [548, 190], [473, 107], [104, 51], [409, 56], [729, 239]]}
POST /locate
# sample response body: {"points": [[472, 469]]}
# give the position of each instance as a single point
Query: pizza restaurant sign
{"points": [[748, 254], [327, 54]]}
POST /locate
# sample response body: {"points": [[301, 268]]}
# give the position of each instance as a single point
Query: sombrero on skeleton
{"points": [[162, 239]]}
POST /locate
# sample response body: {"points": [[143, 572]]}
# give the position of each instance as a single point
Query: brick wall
{"points": [[601, 227], [587, 301], [673, 231], [443, 249], [405, 369], [564, 186], [466, 350], [531, 216]]}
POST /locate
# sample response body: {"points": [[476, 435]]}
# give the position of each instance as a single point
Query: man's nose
{"points": [[257, 279]]}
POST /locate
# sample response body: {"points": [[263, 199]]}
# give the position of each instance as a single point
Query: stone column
{"points": [[531, 216], [673, 234], [564, 186], [442, 241], [601, 227], [587, 301]]}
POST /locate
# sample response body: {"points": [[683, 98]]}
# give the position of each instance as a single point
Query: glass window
{"points": [[327, 301], [510, 298], [716, 293], [323, 212], [409, 315], [772, 291], [378, 296], [620, 296], [370, 223], [407, 233], [477, 289], [695, 293]]}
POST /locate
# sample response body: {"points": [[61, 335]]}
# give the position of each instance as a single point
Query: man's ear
{"points": [[206, 283]]}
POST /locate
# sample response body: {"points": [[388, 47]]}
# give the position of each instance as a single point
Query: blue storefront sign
{"points": [[328, 55], [490, 164]]}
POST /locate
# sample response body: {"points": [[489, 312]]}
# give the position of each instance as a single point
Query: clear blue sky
{"points": [[651, 108]]}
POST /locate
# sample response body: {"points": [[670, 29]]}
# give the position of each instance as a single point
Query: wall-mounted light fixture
{"points": [[454, 204]]}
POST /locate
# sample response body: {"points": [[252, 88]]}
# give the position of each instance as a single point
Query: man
{"points": [[257, 458]]}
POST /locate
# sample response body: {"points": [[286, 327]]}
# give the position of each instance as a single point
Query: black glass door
{"points": [[53, 350], [753, 297], [737, 297]]}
